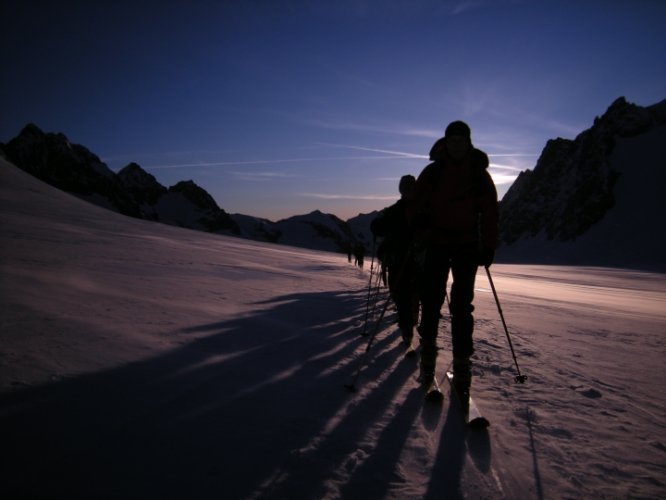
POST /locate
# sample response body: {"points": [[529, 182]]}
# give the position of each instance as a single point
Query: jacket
{"points": [[456, 203], [393, 225]]}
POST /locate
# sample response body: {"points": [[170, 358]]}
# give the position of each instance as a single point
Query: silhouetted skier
{"points": [[455, 217], [392, 224]]}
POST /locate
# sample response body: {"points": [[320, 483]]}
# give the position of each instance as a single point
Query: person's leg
{"points": [[432, 287], [401, 280], [404, 302], [463, 269]]}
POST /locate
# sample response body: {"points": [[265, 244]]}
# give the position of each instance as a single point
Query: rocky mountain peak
{"points": [[32, 130], [140, 184], [625, 119], [134, 174], [195, 194], [52, 158], [574, 183]]}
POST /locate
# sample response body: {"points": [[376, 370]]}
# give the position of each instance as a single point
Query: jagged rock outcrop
{"points": [[70, 167], [133, 191], [143, 188], [575, 186], [571, 187]]}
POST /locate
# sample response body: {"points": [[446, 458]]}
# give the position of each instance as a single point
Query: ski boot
{"points": [[462, 377]]}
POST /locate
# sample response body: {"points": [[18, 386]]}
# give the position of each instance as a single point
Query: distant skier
{"points": [[393, 225], [454, 216], [359, 255]]}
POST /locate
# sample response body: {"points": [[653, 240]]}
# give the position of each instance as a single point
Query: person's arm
{"points": [[489, 220]]}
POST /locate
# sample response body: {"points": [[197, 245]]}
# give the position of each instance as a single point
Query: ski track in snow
{"points": [[145, 361]]}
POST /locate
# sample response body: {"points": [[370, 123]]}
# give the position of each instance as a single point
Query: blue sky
{"points": [[278, 108]]}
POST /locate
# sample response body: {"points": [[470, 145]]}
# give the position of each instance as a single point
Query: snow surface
{"points": [[139, 360]]}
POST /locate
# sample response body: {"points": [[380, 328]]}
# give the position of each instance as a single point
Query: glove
{"points": [[486, 256]]}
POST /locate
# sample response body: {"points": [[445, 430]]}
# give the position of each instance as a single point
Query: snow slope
{"points": [[139, 360]]}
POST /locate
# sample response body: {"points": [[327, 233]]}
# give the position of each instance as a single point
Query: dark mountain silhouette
{"points": [[143, 188], [136, 193], [132, 191], [593, 200], [70, 167]]}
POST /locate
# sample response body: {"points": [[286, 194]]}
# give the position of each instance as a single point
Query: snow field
{"points": [[139, 360]]}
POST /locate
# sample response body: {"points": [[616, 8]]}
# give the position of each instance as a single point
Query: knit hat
{"points": [[458, 128]]}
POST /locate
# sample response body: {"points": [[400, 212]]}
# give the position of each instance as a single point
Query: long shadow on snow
{"points": [[343, 457], [214, 417], [378, 473], [457, 441], [450, 459]]}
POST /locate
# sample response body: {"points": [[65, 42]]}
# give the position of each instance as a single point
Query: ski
{"points": [[472, 415]]}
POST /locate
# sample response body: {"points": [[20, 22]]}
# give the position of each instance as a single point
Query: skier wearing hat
{"points": [[454, 217], [392, 224]]}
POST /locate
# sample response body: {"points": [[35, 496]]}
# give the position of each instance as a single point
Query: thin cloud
{"points": [[261, 176], [397, 154], [503, 179], [391, 129], [215, 164], [504, 175], [361, 197], [511, 168], [267, 162]]}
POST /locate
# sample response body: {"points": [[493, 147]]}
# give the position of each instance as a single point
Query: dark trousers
{"points": [[462, 262], [402, 285]]}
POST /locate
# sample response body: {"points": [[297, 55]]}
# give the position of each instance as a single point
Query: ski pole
{"points": [[373, 300], [352, 386], [367, 304], [519, 378]]}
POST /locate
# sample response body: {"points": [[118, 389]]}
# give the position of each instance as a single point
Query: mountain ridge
{"points": [[585, 202], [134, 192]]}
